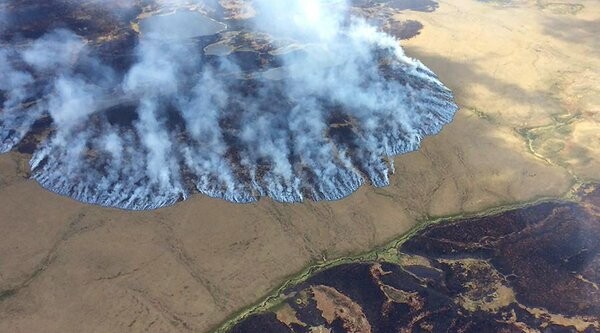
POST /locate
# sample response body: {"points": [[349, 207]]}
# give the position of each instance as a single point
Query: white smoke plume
{"points": [[177, 122], [15, 86]]}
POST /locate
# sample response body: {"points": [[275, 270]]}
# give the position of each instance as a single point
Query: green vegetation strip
{"points": [[387, 253]]}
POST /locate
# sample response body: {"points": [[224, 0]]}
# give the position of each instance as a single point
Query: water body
{"points": [[219, 49], [180, 25], [415, 5]]}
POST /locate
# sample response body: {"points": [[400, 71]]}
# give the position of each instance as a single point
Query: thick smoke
{"points": [[177, 122], [3, 17], [15, 87]]}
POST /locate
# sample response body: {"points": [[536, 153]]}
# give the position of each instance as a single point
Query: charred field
{"points": [[530, 268]]}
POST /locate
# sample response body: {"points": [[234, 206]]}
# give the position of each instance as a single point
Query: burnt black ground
{"points": [[546, 255]]}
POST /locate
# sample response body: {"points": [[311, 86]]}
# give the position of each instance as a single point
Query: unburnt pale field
{"points": [[526, 75]]}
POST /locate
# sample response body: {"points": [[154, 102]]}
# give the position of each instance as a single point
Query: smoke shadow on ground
{"points": [[469, 74], [574, 30]]}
